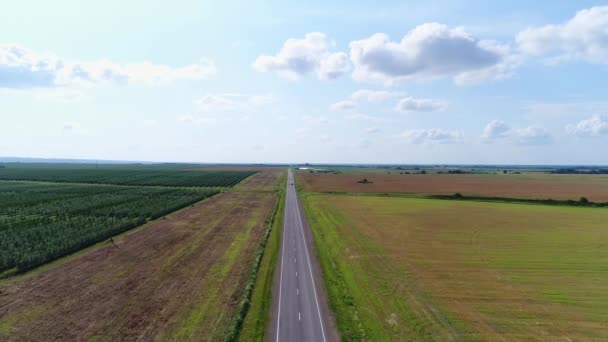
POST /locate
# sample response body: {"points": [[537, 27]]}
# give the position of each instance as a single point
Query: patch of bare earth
{"points": [[267, 180], [151, 284], [542, 186]]}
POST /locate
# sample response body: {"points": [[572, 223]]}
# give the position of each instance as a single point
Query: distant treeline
{"points": [[580, 172], [582, 202], [154, 177]]}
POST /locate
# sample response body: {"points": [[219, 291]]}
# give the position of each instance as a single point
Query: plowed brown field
{"points": [[534, 186], [177, 278]]}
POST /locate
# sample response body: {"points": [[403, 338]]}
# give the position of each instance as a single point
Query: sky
{"points": [[396, 82]]}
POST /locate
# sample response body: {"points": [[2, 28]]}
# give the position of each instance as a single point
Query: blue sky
{"points": [[244, 81]]}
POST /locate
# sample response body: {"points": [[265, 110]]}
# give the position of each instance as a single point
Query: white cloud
{"points": [[585, 36], [432, 135], [261, 100], [211, 102], [410, 104], [372, 130], [232, 102], [301, 131], [333, 66], [596, 125], [553, 111], [429, 51], [496, 129], [373, 95], [23, 68], [532, 135], [59, 94], [196, 119], [363, 94], [315, 119], [299, 57], [325, 138], [346, 105], [71, 126]]}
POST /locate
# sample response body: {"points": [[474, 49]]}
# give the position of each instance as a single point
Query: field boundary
{"points": [[236, 326], [460, 197], [548, 201], [11, 274]]}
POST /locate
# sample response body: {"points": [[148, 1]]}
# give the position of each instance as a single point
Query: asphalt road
{"points": [[301, 314]]}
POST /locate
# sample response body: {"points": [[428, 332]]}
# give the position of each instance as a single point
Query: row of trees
{"points": [[173, 178], [41, 222]]}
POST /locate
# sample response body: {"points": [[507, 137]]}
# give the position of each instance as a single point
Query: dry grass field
{"points": [[421, 269], [532, 186], [177, 278]]}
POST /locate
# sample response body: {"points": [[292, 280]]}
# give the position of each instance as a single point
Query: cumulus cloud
{"points": [[345, 105], [496, 129], [532, 135], [432, 135], [232, 102], [368, 95], [299, 57], [596, 125], [582, 37], [430, 50], [23, 68], [372, 130], [410, 104]]}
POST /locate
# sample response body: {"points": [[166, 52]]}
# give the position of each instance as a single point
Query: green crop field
{"points": [[423, 269], [40, 222], [127, 176]]}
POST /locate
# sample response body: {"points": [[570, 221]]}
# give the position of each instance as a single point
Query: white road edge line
{"points": [[281, 277], [312, 278], [299, 316]]}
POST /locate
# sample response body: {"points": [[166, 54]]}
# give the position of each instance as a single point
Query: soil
{"points": [[148, 284], [543, 186]]}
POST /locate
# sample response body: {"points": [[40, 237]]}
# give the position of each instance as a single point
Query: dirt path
{"points": [[156, 283]]}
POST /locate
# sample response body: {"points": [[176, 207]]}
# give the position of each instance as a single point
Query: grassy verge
{"points": [[336, 277], [253, 313]]}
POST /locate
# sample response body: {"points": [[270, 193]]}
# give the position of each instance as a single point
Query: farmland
{"points": [[128, 176], [422, 269], [531, 186], [42, 221], [180, 277]]}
